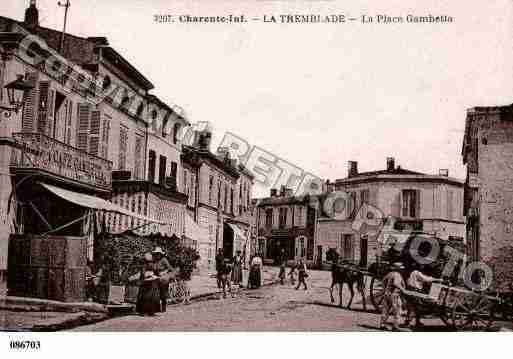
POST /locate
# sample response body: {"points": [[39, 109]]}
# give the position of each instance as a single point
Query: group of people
{"points": [[300, 267], [230, 272], [394, 288]]}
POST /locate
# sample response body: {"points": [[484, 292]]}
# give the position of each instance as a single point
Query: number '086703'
{"points": [[25, 344]]}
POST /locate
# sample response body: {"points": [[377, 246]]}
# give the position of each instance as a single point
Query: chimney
{"points": [[352, 169], [31, 16], [443, 172], [98, 40], [274, 192], [289, 192], [390, 164], [223, 153], [282, 190], [202, 140]]}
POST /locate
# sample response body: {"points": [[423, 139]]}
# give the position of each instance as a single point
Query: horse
{"points": [[341, 275]]}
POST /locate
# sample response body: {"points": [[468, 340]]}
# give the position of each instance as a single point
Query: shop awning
{"points": [[88, 201], [193, 230]]}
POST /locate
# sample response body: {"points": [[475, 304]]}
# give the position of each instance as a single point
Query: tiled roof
{"points": [[80, 50]]}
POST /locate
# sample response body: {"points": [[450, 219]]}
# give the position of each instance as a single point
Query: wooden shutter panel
{"points": [[94, 132], [44, 88], [50, 113], [29, 100], [396, 205], [105, 137], [83, 126], [417, 203], [69, 113]]}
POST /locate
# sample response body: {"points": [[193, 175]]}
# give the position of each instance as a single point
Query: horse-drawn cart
{"points": [[458, 307]]}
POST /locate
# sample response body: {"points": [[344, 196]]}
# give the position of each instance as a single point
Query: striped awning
{"points": [[93, 202]]}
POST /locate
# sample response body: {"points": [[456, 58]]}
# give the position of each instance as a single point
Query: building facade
{"points": [[429, 203], [286, 226], [78, 153], [488, 153], [219, 200]]}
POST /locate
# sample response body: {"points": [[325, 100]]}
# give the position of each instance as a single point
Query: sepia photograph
{"points": [[255, 166]]}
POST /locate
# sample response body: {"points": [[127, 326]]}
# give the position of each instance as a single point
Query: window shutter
{"points": [[396, 205], [138, 156], [94, 133], [69, 112], [83, 126], [417, 203], [123, 143], [50, 113], [43, 107], [29, 108], [105, 137]]}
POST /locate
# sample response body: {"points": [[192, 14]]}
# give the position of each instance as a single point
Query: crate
{"points": [[51, 267]]}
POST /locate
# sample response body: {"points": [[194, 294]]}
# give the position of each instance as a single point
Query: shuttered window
{"points": [[42, 107], [94, 133], [105, 136], [152, 158], [123, 143], [83, 113], [69, 113], [162, 169], [29, 108], [138, 156], [50, 107]]}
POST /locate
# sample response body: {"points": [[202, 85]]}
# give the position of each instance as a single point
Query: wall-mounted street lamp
{"points": [[15, 93]]}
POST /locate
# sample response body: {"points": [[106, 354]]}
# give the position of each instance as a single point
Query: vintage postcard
{"points": [[255, 166]]}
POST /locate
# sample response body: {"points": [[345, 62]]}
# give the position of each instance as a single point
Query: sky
{"points": [[317, 95]]}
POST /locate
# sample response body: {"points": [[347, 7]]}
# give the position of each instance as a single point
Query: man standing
{"points": [[394, 286], [302, 274], [219, 266], [417, 281], [163, 268]]}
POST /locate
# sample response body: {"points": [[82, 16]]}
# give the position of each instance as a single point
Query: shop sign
{"points": [[37, 151]]}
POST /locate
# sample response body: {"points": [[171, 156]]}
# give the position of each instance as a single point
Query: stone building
{"points": [[488, 154], [421, 202], [219, 200], [286, 225]]}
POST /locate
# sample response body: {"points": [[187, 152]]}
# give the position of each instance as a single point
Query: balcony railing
{"points": [[40, 152]]}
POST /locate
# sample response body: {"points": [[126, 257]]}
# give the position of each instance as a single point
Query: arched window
{"points": [[176, 129]]}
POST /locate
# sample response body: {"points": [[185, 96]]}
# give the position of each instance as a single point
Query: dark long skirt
{"points": [[254, 277], [148, 301]]}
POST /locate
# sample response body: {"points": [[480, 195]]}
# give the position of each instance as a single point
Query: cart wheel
{"points": [[472, 312], [377, 291]]}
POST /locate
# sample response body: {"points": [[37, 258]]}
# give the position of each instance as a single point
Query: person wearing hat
{"points": [[418, 282], [392, 304], [163, 268], [148, 299]]}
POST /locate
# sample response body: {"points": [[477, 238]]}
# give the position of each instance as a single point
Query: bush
{"points": [[119, 253]]}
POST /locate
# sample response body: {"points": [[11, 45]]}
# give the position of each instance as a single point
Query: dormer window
{"points": [[140, 109], [176, 129], [106, 82], [164, 127]]}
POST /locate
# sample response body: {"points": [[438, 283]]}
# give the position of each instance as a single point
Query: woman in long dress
{"points": [[148, 301], [237, 270]]}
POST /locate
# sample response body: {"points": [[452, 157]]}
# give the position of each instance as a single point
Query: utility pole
{"points": [[66, 7]]}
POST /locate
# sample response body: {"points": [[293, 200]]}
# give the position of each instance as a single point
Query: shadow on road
{"points": [[332, 305]]}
